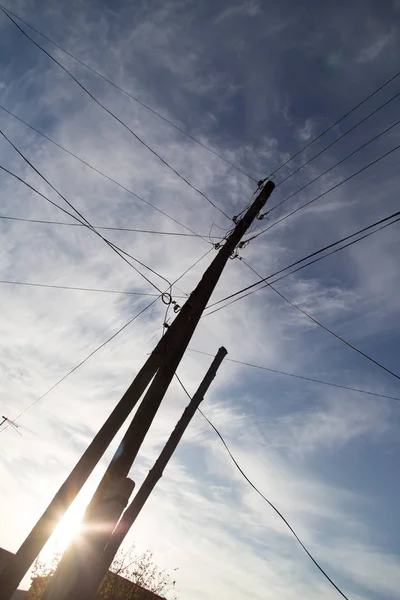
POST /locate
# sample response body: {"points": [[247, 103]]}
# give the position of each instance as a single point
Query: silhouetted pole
{"points": [[167, 353], [133, 510], [92, 573]]}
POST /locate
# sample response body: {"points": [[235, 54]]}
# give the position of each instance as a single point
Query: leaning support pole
{"points": [[89, 571], [131, 513]]}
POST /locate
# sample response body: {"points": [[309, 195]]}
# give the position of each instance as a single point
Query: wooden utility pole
{"points": [[79, 579], [161, 366]]}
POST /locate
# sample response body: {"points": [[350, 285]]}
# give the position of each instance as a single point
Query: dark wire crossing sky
{"points": [[225, 93]]}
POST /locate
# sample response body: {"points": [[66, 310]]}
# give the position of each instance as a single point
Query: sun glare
{"points": [[68, 528]]}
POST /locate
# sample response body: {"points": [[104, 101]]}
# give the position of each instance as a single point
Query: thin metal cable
{"points": [[333, 166], [294, 271], [297, 262], [255, 488], [101, 346], [335, 335], [303, 377], [113, 246], [337, 122], [334, 187], [115, 116], [85, 360], [84, 162], [85, 223], [78, 289], [154, 112], [103, 227], [338, 139], [193, 265]]}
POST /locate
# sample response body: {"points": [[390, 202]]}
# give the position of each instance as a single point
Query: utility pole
{"points": [[82, 578], [161, 366]]}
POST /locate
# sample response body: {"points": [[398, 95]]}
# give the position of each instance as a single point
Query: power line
{"points": [[193, 265], [154, 112], [324, 193], [79, 289], [85, 222], [84, 162], [299, 268], [255, 488], [338, 337], [339, 138], [257, 283], [303, 377], [378, 89], [85, 360], [107, 228], [28, 185], [138, 138], [333, 166], [114, 335]]}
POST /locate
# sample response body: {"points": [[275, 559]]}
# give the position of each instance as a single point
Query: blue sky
{"points": [[254, 81]]}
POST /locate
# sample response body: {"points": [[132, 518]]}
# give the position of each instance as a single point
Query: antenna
{"points": [[10, 422]]}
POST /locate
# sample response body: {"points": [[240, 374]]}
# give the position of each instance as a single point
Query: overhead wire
{"points": [[114, 181], [103, 227], [295, 271], [302, 377], [114, 335], [385, 222], [333, 166], [79, 289], [255, 488], [348, 113], [319, 196], [83, 221], [338, 139], [193, 265], [335, 335], [82, 362], [119, 88], [112, 114]]}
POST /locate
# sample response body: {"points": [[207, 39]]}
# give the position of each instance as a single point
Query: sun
{"points": [[68, 528]]}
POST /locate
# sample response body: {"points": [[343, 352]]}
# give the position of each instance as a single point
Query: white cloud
{"points": [[288, 436], [250, 8], [372, 51]]}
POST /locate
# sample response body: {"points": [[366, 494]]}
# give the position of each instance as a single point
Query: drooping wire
{"points": [[82, 362], [255, 488], [119, 251], [114, 335], [192, 266], [338, 139], [333, 167], [335, 335], [116, 86], [104, 175], [334, 187], [382, 222], [349, 112], [137, 137], [86, 223], [177, 307], [79, 289], [103, 227], [303, 377], [295, 271]]}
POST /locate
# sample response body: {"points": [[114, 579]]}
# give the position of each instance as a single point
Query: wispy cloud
{"points": [[314, 453]]}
